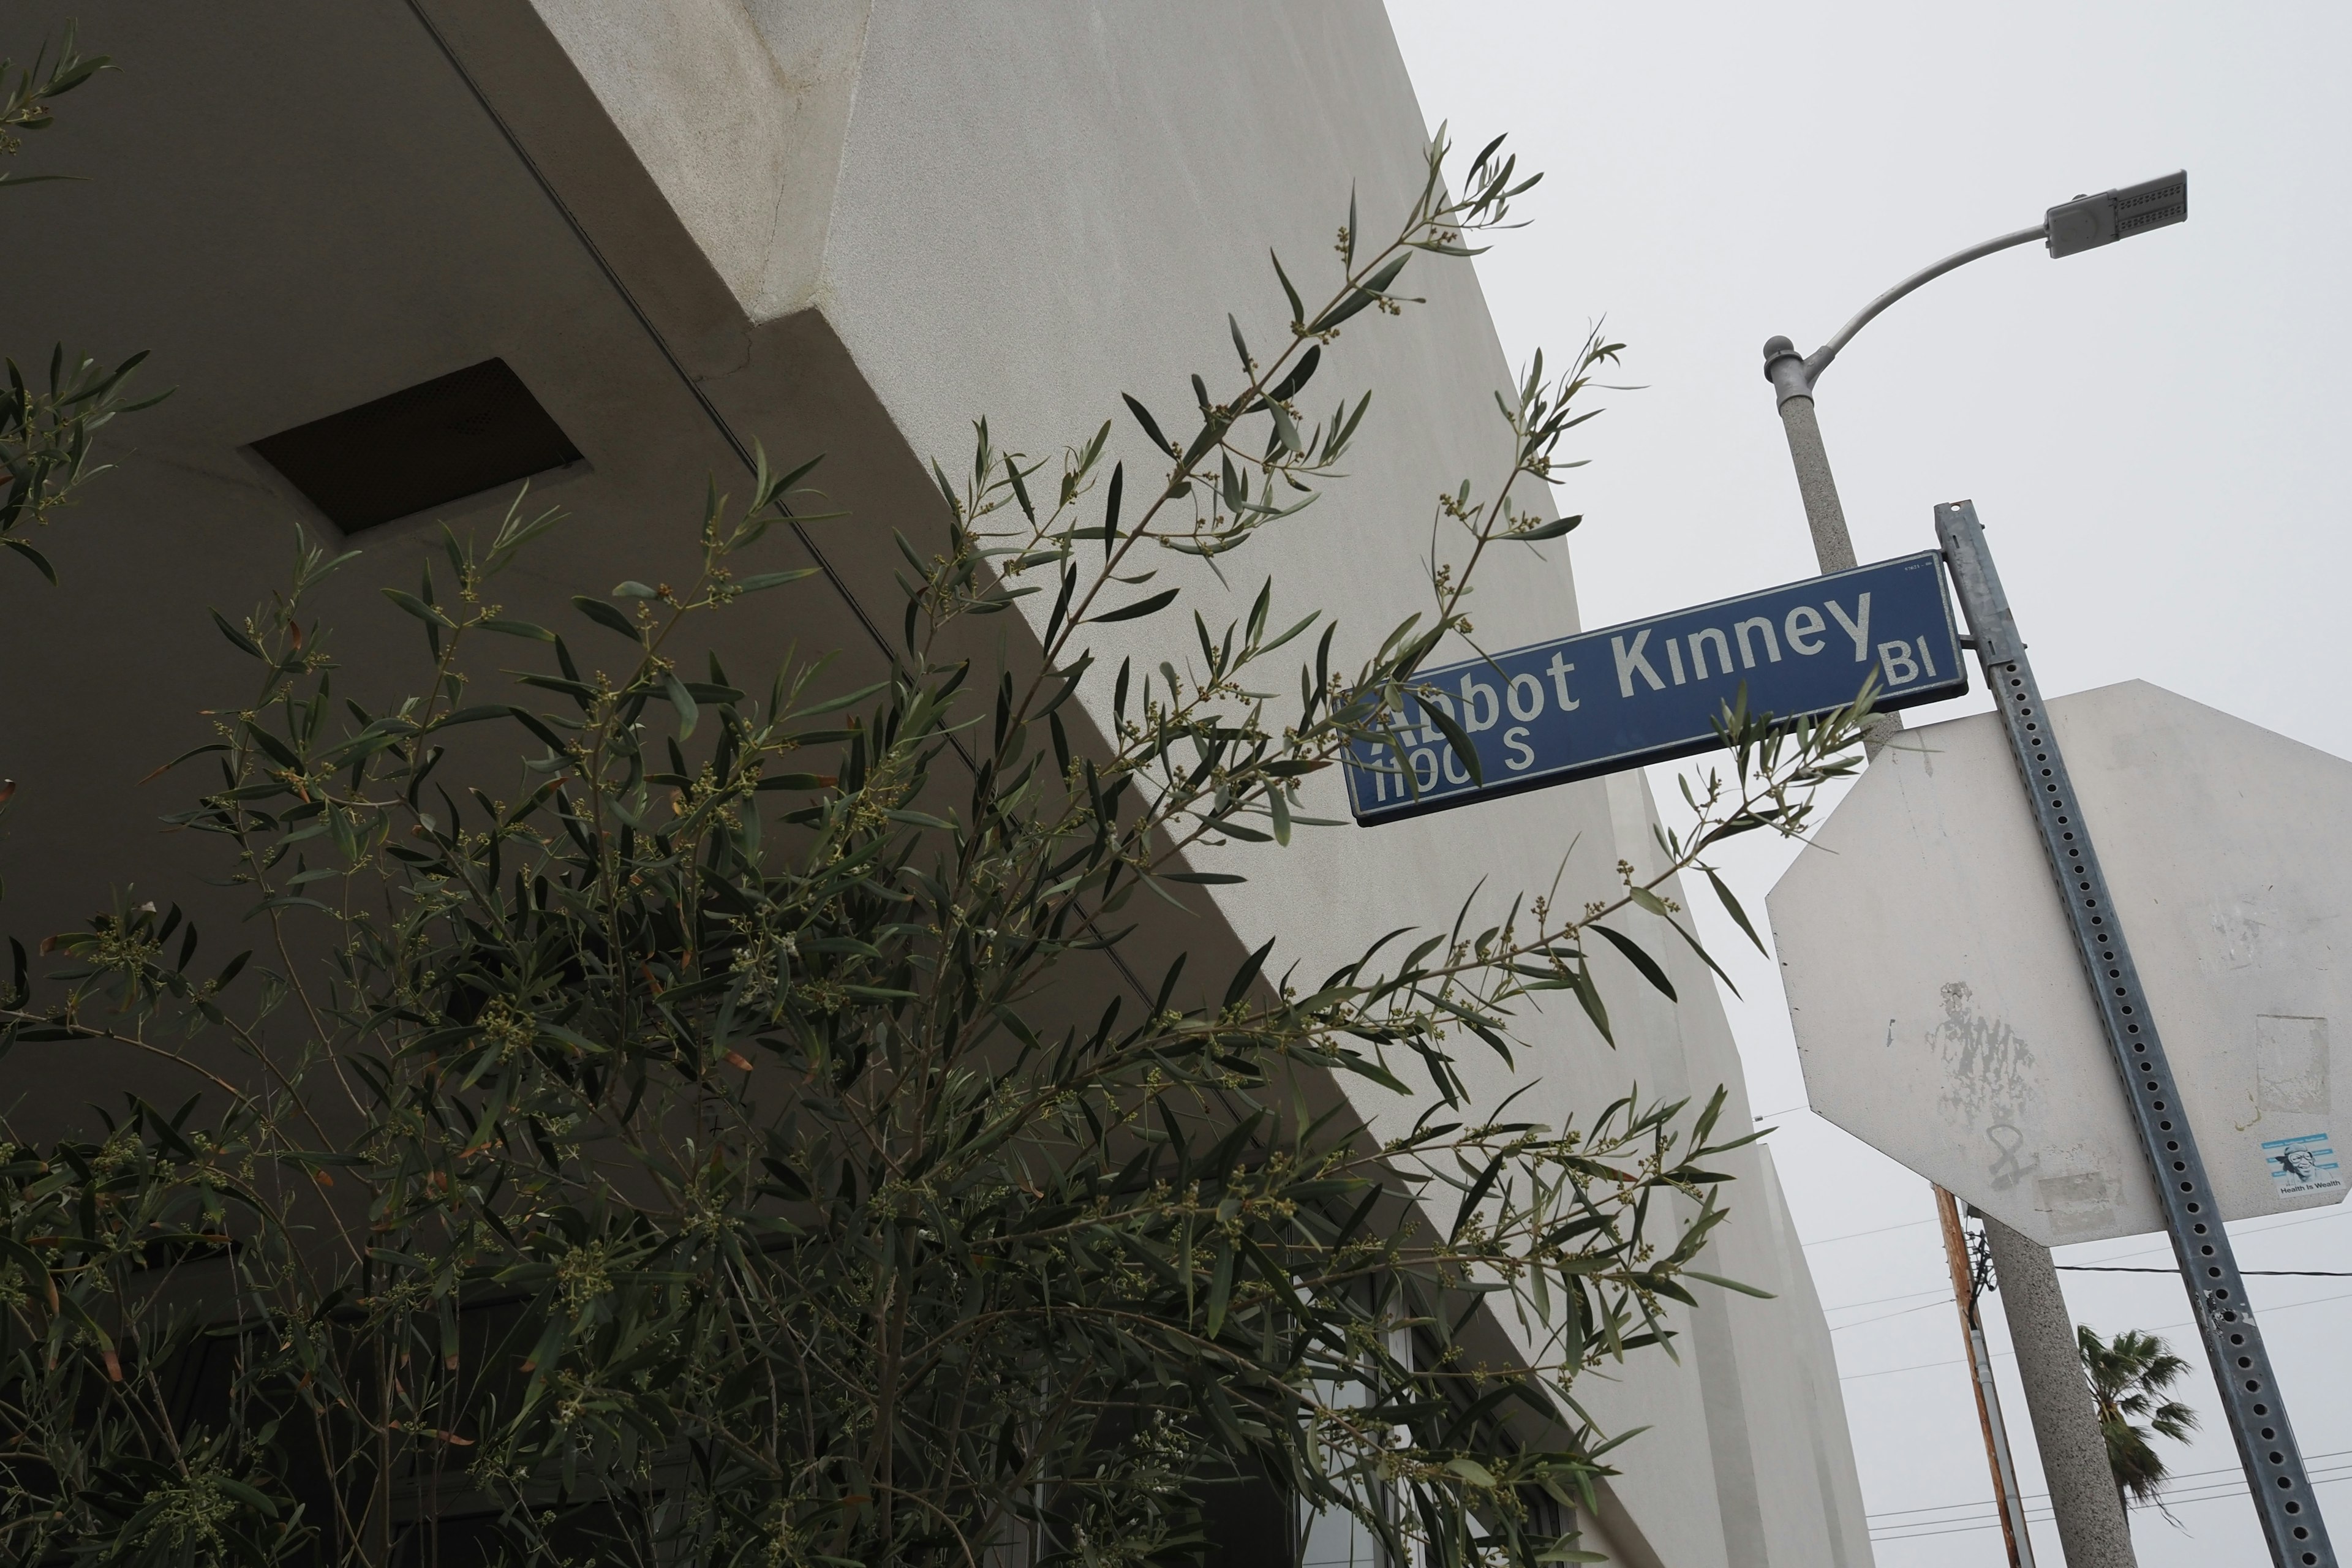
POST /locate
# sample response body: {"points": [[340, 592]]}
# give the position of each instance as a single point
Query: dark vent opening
{"points": [[425, 446]]}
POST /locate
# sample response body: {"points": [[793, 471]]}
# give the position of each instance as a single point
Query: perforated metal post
{"points": [[2225, 1318]]}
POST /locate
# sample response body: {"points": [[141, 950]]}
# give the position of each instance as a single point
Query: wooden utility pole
{"points": [[1996, 1436]]}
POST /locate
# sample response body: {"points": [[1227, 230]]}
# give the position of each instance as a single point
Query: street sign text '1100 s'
{"points": [[1652, 691]]}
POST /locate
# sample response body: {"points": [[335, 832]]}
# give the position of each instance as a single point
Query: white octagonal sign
{"points": [[1941, 1009]]}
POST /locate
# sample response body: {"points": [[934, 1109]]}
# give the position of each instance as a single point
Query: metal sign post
{"points": [[2225, 1319]]}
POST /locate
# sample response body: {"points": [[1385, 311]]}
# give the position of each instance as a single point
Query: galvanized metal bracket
{"points": [[2225, 1318]]}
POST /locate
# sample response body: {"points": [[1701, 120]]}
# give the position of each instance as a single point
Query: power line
{"points": [[1915, 1529], [1899, 1313], [2209, 1491], [1882, 1230], [1882, 1301], [2270, 1273], [1924, 1533], [2268, 1311], [2045, 1497], [1928, 1527], [2139, 1252], [1959, 1529], [2160, 1328], [1914, 1366], [2244, 1235]]}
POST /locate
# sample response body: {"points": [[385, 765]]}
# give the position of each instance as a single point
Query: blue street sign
{"points": [[1651, 691]]}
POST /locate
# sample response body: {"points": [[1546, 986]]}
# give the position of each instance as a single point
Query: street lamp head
{"points": [[2088, 222]]}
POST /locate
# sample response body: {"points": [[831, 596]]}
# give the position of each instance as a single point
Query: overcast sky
{"points": [[2151, 434]]}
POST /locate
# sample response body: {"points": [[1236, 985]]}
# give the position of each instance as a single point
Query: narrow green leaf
{"points": [[1285, 427], [1366, 293], [1471, 1471], [420, 609], [1551, 529], [1460, 741], [1159, 601], [683, 700], [1639, 960], [242, 642], [41, 562], [604, 615], [1247, 974], [835, 704], [514, 628], [1110, 508], [1220, 1285], [1300, 374], [1731, 907], [762, 580], [1151, 426], [1298, 309], [1580, 981]]}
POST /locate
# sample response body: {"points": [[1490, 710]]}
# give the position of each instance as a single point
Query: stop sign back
{"points": [[1943, 1016]]}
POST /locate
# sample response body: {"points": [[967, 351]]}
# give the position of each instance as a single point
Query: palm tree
{"points": [[2128, 1376]]}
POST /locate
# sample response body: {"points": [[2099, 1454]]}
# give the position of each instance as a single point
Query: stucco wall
{"points": [[1041, 207]]}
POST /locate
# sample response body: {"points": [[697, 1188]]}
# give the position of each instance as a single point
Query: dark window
{"points": [[424, 445]]}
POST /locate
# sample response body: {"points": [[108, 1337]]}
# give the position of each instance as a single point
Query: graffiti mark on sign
{"points": [[2009, 1170], [1988, 1065]]}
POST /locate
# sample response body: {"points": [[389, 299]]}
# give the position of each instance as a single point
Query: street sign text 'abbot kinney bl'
{"points": [[1651, 691]]}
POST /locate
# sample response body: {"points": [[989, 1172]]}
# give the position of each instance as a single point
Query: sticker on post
{"points": [[2305, 1164]]}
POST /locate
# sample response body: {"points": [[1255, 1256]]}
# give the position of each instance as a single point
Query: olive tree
{"points": [[721, 1133]]}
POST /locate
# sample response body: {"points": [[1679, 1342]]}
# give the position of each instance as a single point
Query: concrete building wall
{"points": [[854, 225], [1109, 205]]}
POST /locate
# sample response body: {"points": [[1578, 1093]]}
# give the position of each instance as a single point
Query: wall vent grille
{"points": [[421, 447]]}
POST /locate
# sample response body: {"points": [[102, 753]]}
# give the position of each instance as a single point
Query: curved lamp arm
{"points": [[2084, 223], [1792, 375], [1819, 360]]}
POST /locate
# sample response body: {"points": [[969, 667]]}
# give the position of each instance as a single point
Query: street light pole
{"points": [[2090, 1516], [1792, 376]]}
